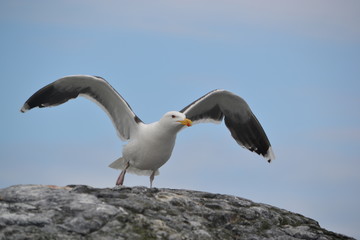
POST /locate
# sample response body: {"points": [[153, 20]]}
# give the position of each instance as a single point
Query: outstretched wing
{"points": [[239, 119], [96, 89]]}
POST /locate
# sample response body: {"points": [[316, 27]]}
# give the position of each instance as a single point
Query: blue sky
{"points": [[297, 64]]}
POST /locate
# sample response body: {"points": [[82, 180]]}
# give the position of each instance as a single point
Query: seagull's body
{"points": [[150, 145], [149, 149]]}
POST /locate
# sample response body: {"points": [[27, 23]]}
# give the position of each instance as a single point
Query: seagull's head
{"points": [[175, 119]]}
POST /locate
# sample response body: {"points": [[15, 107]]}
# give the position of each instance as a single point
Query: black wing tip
{"points": [[25, 108], [49, 96], [269, 155]]}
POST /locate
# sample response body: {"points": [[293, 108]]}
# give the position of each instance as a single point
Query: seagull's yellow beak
{"points": [[186, 122]]}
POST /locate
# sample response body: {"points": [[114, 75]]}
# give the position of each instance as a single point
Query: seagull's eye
{"points": [[173, 116]]}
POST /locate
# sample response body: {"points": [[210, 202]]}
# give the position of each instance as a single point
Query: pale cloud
{"points": [[201, 18]]}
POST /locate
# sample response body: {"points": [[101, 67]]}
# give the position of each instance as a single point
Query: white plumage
{"points": [[150, 145]]}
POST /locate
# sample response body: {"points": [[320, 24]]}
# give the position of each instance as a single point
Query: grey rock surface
{"points": [[83, 212]]}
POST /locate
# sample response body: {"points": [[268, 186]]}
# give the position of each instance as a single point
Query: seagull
{"points": [[150, 145]]}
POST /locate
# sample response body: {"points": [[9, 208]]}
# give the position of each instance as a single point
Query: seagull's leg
{"points": [[121, 177], [152, 178]]}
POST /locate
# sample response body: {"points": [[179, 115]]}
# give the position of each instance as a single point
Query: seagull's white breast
{"points": [[150, 148]]}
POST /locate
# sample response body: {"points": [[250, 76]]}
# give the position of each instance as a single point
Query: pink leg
{"points": [[121, 177], [152, 178]]}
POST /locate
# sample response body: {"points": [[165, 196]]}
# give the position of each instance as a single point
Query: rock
{"points": [[83, 212]]}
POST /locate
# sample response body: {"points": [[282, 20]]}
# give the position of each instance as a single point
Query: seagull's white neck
{"points": [[164, 130]]}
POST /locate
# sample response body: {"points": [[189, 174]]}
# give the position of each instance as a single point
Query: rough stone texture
{"points": [[83, 212]]}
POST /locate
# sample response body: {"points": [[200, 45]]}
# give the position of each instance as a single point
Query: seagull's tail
{"points": [[118, 164]]}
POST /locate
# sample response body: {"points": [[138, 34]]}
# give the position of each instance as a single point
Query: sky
{"points": [[296, 63]]}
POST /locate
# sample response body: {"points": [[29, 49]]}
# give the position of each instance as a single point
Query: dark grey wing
{"points": [[239, 119], [96, 89]]}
